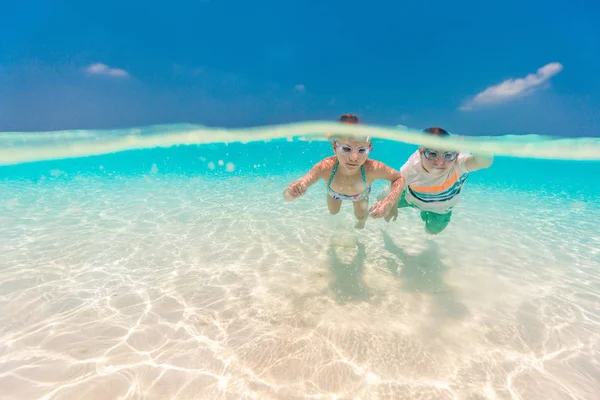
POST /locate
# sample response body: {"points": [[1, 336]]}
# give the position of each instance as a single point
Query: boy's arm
{"points": [[474, 162], [477, 162]]}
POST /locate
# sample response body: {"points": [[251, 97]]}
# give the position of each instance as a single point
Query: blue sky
{"points": [[474, 67]]}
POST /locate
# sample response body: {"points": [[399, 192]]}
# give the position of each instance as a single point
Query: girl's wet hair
{"points": [[349, 119], [436, 131]]}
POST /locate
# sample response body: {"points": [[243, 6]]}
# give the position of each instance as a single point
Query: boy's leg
{"points": [[435, 223]]}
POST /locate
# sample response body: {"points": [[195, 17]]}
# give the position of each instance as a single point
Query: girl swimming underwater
{"points": [[349, 174]]}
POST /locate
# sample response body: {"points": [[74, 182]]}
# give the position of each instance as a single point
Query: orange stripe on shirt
{"points": [[431, 189]]}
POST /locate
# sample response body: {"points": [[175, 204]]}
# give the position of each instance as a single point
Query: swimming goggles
{"points": [[433, 155], [347, 150]]}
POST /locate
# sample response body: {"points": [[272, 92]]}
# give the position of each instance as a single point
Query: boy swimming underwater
{"points": [[433, 181], [349, 174]]}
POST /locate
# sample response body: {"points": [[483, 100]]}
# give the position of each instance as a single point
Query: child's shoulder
{"points": [[414, 160], [326, 164], [372, 165], [329, 161], [412, 166], [415, 157]]}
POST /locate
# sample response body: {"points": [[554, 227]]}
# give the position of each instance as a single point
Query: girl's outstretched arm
{"points": [[300, 186], [381, 171]]}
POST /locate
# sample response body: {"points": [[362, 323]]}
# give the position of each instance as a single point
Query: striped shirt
{"points": [[435, 193]]}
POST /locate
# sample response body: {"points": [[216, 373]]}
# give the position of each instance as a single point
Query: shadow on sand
{"points": [[423, 274], [347, 275]]}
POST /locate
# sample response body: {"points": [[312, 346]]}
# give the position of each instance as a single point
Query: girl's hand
{"points": [[392, 216], [381, 209], [296, 189]]}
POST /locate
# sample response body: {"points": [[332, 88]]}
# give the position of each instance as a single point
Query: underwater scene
{"points": [[164, 262]]}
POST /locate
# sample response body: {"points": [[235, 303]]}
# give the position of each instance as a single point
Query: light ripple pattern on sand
{"points": [[163, 287]]}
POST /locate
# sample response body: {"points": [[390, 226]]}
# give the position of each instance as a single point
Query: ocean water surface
{"points": [[163, 263]]}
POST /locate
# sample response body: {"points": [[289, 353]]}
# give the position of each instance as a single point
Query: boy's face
{"points": [[435, 161], [352, 153]]}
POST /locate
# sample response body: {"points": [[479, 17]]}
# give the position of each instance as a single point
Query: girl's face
{"points": [[352, 153]]}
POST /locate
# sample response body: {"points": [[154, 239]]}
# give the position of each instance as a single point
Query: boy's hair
{"points": [[435, 131]]}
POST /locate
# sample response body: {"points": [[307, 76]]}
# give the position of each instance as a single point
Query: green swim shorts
{"points": [[434, 223]]}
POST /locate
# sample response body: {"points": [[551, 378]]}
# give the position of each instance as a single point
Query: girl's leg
{"points": [[361, 211], [333, 205]]}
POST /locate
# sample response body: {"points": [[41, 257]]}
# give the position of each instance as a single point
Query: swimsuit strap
{"points": [[333, 173], [362, 171], [364, 175]]}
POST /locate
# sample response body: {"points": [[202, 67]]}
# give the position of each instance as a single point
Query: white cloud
{"points": [[300, 88], [513, 88], [103, 69]]}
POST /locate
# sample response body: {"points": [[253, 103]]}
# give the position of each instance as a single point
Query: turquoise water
{"points": [[162, 263]]}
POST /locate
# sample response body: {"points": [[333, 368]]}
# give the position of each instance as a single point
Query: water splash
{"points": [[23, 147]]}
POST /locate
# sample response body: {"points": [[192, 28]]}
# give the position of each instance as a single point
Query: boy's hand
{"points": [[382, 209]]}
